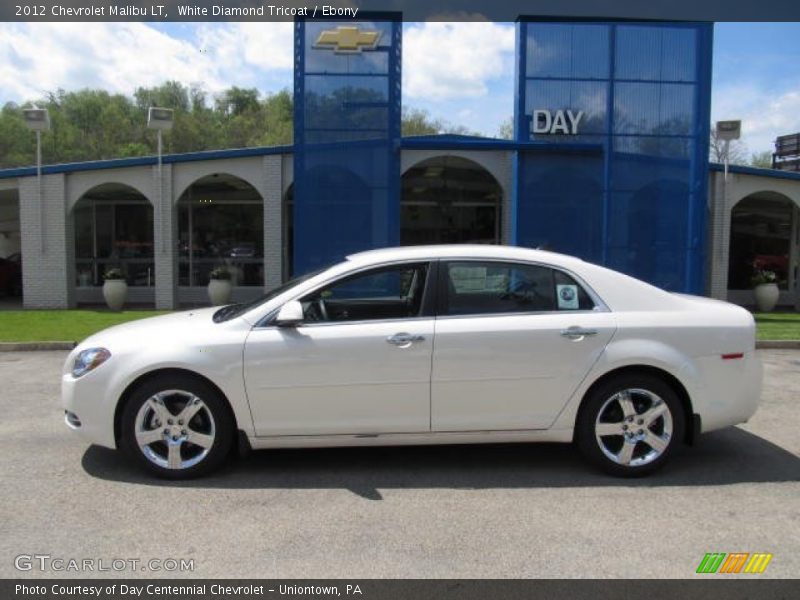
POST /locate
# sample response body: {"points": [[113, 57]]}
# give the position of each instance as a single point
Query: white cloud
{"points": [[254, 47], [455, 60], [765, 113], [40, 57], [462, 71]]}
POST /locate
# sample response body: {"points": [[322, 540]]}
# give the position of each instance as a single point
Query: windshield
{"points": [[232, 311]]}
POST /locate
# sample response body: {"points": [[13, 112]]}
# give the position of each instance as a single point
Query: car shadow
{"points": [[720, 458]]}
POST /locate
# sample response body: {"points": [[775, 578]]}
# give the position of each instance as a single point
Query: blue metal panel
{"points": [[644, 89], [653, 108], [347, 140], [521, 128], [521, 131], [656, 53], [560, 203], [567, 50], [699, 208], [116, 163], [588, 96], [755, 171]]}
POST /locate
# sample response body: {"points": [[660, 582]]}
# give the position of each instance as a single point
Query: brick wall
{"points": [[165, 236], [272, 191], [46, 241]]}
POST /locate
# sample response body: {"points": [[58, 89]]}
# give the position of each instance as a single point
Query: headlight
{"points": [[89, 359]]}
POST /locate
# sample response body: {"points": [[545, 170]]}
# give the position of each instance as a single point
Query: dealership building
{"points": [[609, 162]]}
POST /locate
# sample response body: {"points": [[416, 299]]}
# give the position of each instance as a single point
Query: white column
{"points": [[719, 234], [507, 185], [165, 251], [47, 243], [273, 220]]}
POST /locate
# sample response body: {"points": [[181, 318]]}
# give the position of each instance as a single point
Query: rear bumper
{"points": [[728, 390]]}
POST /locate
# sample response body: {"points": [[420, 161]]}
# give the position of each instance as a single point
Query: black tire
{"points": [[644, 458], [220, 425]]}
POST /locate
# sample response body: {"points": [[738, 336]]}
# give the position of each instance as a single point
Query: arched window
{"points": [[220, 224], [761, 230], [114, 229], [449, 200]]}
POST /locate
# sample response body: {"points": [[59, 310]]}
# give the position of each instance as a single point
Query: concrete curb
{"points": [[778, 344], [31, 346]]}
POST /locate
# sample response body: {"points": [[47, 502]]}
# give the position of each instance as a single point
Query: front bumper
{"points": [[87, 399]]}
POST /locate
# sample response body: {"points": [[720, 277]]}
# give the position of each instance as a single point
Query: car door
{"points": [[513, 341], [360, 363]]}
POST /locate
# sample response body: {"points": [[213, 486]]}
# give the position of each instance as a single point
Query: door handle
{"points": [[577, 333], [404, 340]]}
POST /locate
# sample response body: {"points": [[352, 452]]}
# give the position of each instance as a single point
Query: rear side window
{"points": [[493, 287]]}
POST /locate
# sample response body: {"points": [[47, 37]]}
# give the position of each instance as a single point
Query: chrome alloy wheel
{"points": [[633, 427], [174, 429]]}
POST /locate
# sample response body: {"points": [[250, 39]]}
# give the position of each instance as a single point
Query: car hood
{"points": [[154, 330]]}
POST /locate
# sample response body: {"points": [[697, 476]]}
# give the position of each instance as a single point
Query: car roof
{"points": [[469, 251]]}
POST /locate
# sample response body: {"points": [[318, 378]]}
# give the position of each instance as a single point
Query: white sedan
{"points": [[422, 345]]}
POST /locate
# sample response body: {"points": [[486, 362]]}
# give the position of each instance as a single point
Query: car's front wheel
{"points": [[630, 425], [177, 427]]}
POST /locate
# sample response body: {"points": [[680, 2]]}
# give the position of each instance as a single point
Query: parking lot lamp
{"points": [[38, 120], [161, 119]]}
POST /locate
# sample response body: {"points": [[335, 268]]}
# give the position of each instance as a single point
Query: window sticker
{"points": [[567, 296], [468, 279]]}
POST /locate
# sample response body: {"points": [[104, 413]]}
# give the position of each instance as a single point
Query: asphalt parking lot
{"points": [[479, 511]]}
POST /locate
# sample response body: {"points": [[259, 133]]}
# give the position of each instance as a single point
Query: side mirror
{"points": [[290, 314]]}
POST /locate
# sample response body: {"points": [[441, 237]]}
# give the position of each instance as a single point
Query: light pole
{"points": [[161, 119], [38, 120], [726, 131]]}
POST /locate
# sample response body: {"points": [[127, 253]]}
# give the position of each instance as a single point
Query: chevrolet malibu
{"points": [[422, 345]]}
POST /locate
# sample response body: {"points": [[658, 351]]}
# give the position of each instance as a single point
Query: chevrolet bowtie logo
{"points": [[348, 40]]}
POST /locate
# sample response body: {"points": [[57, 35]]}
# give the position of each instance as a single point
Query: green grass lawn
{"points": [[75, 325], [778, 326], [62, 325]]}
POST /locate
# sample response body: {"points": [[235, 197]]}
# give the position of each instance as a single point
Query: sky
{"points": [[459, 72]]}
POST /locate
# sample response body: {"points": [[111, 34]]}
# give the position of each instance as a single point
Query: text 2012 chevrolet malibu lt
{"points": [[422, 345]]}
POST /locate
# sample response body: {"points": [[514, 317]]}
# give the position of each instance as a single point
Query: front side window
{"points": [[393, 292], [226, 313], [493, 287]]}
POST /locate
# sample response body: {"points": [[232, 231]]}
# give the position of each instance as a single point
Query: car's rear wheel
{"points": [[630, 425], [177, 427]]}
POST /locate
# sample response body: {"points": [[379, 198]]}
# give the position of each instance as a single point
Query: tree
{"points": [[170, 94], [92, 124], [506, 131], [237, 101], [736, 150], [278, 111], [17, 146], [417, 121], [761, 159]]}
